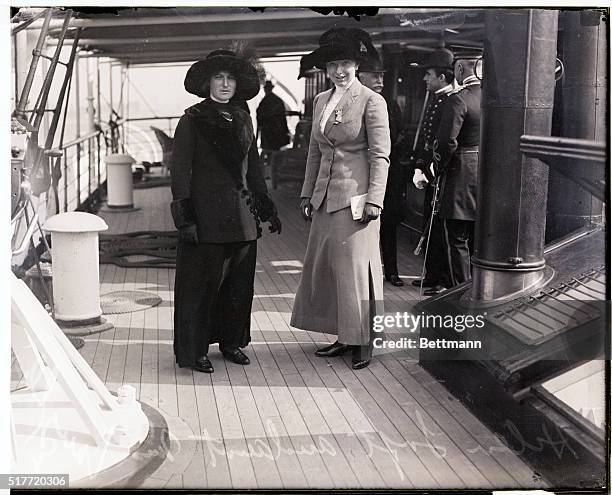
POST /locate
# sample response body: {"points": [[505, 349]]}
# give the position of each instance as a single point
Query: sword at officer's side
{"points": [[425, 234], [419, 125], [434, 210], [435, 205]]}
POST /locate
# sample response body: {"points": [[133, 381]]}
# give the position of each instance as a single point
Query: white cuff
{"points": [[418, 179]]}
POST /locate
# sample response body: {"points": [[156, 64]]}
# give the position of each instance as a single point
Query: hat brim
{"points": [[431, 66], [247, 78], [373, 71], [324, 54]]}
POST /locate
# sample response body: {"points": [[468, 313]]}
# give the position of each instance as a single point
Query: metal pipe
{"points": [[25, 93], [98, 91], [62, 94], [518, 94], [584, 95], [25, 243], [46, 87], [266, 35], [126, 103], [25, 24], [77, 99], [110, 92]]}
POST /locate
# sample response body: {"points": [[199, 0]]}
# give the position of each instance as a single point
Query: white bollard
{"points": [[120, 190], [76, 273]]}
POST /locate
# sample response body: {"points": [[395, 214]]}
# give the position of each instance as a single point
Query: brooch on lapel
{"points": [[337, 117], [226, 115]]}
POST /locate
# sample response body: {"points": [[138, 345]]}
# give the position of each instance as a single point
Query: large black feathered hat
{"points": [[339, 44], [247, 79]]}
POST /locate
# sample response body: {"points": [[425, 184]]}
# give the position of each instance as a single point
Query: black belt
{"points": [[467, 149]]}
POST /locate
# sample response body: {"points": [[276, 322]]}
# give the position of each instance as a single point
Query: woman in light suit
{"points": [[348, 156]]}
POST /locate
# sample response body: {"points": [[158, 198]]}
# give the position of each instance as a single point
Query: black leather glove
{"points": [[306, 209], [264, 207], [275, 224], [188, 234]]}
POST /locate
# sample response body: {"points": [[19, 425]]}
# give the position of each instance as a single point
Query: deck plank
{"points": [[149, 391], [168, 400], [289, 468], [493, 471], [491, 443], [290, 419], [135, 345], [294, 426], [364, 472], [213, 449], [449, 442], [264, 465]]}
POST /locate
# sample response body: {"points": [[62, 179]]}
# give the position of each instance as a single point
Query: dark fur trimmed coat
{"points": [[216, 169]]}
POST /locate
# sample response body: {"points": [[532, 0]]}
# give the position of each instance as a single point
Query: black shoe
{"points": [[361, 356], [360, 363], [204, 365], [426, 283], [395, 280], [332, 350], [434, 291], [236, 356]]}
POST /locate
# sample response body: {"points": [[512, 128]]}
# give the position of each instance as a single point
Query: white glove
{"points": [[418, 179]]}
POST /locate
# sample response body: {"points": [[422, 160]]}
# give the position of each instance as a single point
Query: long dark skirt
{"points": [[213, 294]]}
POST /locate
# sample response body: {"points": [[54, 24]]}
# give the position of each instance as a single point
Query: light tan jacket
{"points": [[352, 156]]}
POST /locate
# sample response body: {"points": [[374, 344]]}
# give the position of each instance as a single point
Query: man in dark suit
{"points": [[272, 120], [456, 161], [371, 74], [439, 83]]}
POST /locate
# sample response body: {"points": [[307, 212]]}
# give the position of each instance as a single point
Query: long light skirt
{"points": [[341, 283]]}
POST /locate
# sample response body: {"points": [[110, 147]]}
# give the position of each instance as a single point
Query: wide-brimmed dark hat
{"points": [[372, 64], [339, 44], [441, 58], [247, 79]]}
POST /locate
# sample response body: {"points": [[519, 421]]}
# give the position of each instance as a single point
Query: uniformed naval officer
{"points": [[456, 160], [438, 79]]}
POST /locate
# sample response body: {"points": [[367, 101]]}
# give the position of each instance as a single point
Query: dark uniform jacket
{"points": [[456, 152], [215, 165], [395, 193], [431, 120]]}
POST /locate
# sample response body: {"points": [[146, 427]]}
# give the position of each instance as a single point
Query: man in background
{"points": [[456, 161], [438, 79], [272, 120], [371, 74]]}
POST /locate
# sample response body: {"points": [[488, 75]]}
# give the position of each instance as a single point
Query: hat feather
{"points": [[244, 50]]}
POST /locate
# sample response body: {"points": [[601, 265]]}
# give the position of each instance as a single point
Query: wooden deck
{"points": [[290, 419]]}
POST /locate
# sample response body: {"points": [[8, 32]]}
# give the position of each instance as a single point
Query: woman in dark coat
{"points": [[219, 199]]}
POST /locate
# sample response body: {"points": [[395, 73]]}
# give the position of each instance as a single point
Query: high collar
{"points": [[470, 80], [342, 90], [445, 90], [212, 99]]}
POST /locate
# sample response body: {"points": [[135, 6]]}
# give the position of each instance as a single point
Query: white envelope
{"points": [[357, 205]]}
